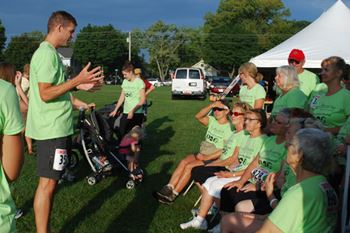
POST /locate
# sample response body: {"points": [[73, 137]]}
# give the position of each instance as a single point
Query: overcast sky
{"points": [[19, 16]]}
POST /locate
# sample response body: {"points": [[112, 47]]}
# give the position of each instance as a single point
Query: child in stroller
{"points": [[130, 147]]}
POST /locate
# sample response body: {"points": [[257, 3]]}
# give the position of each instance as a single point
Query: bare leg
{"points": [[245, 206], [241, 222], [186, 175], [180, 168], [43, 201], [206, 202]]}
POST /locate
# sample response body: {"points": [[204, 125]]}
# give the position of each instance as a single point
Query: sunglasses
{"points": [[218, 109], [237, 114], [292, 61]]}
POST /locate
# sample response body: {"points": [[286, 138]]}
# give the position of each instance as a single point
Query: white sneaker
{"points": [[195, 223], [215, 229]]}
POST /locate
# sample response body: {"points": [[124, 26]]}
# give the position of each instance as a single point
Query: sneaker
{"points": [[195, 223], [165, 192], [18, 214], [215, 229]]}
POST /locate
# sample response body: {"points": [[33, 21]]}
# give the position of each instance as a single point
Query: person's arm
{"points": [[259, 103], [269, 227], [150, 89], [77, 103], [18, 79], [202, 115], [49, 92], [228, 161], [12, 155], [247, 174], [212, 156], [119, 103]]}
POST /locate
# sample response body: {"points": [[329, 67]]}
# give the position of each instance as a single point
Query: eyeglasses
{"points": [[237, 114], [292, 61], [218, 109]]}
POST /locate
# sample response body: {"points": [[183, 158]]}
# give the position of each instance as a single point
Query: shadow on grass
{"points": [[156, 137], [139, 214]]}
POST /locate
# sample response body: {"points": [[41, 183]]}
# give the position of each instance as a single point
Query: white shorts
{"points": [[214, 184]]}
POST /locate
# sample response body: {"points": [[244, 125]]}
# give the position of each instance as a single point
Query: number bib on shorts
{"points": [[259, 175], [60, 159]]}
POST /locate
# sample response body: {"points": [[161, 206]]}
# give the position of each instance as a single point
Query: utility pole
{"points": [[129, 41]]}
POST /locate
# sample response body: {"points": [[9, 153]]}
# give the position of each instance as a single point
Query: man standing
{"points": [[50, 119], [307, 79]]}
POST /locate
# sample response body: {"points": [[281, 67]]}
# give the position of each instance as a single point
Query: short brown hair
{"points": [[60, 17], [7, 72], [128, 67]]}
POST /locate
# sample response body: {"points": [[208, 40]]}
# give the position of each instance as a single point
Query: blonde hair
{"points": [[26, 69], [252, 70]]}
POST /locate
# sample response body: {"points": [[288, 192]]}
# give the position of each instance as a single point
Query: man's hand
{"points": [[93, 76]]}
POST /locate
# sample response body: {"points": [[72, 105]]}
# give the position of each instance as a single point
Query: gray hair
{"points": [[315, 146], [290, 76]]}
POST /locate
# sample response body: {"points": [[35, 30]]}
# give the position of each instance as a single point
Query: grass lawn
{"points": [[172, 132]]}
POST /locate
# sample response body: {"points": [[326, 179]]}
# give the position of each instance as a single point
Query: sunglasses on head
{"points": [[218, 109], [292, 61], [237, 114]]}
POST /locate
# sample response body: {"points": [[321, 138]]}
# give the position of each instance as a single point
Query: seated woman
{"points": [[244, 221], [291, 96], [246, 149], [311, 204], [219, 130], [251, 91], [331, 105]]}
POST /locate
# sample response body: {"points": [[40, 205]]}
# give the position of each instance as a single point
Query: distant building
{"points": [[207, 69]]}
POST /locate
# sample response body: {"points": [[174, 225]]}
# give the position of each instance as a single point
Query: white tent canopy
{"points": [[329, 35]]}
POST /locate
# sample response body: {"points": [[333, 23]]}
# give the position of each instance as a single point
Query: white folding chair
{"points": [[345, 223], [188, 189]]}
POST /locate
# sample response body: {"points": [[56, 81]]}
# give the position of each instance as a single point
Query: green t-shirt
{"points": [[308, 82], [217, 133], [54, 118], [231, 144], [132, 94], [331, 110], [249, 148], [271, 156], [10, 124], [250, 95], [294, 98], [308, 206]]}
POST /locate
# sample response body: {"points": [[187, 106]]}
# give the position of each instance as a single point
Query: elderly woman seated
{"points": [[308, 206]]}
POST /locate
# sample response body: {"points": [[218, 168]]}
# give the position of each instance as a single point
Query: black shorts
{"points": [[202, 173], [230, 198], [47, 166]]}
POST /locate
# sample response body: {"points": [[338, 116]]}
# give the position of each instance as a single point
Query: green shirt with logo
{"points": [[132, 94], [10, 124], [331, 110], [249, 96], [249, 148], [218, 133], [271, 156], [54, 118], [308, 206], [294, 98], [231, 144]]}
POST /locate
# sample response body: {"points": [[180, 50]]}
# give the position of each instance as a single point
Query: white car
{"points": [[155, 82]]}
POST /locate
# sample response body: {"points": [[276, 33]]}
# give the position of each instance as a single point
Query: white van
{"points": [[188, 82]]}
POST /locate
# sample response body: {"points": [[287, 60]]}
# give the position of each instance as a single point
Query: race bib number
{"points": [[259, 175], [314, 101], [60, 159]]}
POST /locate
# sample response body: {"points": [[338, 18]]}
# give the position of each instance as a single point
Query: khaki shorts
{"points": [[207, 148]]}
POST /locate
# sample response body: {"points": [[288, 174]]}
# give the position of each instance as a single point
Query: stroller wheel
{"points": [[73, 160], [92, 180], [130, 184]]}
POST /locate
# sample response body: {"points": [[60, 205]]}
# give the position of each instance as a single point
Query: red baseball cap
{"points": [[296, 54]]}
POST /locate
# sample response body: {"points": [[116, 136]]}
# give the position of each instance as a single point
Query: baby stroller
{"points": [[98, 141]]}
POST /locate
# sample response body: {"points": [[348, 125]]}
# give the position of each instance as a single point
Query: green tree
{"points": [[242, 29], [2, 41], [190, 51], [101, 45], [21, 48], [163, 42]]}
